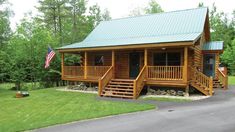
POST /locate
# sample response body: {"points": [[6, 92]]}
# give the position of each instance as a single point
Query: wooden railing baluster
{"points": [[165, 72]]}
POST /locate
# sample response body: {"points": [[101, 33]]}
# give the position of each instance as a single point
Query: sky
{"points": [[122, 8]]}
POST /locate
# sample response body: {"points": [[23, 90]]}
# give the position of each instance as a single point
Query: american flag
{"points": [[49, 56]]}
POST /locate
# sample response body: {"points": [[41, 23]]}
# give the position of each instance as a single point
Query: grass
{"points": [[231, 80], [47, 107], [166, 99]]}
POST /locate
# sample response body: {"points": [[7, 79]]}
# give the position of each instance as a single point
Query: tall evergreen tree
{"points": [[5, 30], [53, 12], [153, 7]]}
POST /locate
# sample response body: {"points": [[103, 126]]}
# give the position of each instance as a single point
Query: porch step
{"points": [[217, 84], [124, 83], [119, 88], [122, 80], [118, 96], [200, 88]]}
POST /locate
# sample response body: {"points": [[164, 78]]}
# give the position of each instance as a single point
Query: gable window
{"points": [[99, 60], [167, 59]]}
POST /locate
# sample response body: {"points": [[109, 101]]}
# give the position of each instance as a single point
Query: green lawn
{"points": [[48, 107], [231, 80], [165, 99]]}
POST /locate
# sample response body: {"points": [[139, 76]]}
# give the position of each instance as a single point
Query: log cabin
{"points": [[170, 49]]}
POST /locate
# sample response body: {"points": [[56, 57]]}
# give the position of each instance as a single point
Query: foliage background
{"points": [[62, 22]]}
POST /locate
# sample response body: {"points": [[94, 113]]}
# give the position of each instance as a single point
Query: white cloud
{"points": [[20, 7]]}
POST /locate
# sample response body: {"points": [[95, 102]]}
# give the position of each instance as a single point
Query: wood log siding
{"points": [[197, 56], [106, 54], [122, 65], [165, 72]]}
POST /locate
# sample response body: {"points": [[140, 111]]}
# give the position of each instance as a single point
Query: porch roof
{"points": [[167, 27], [213, 45]]}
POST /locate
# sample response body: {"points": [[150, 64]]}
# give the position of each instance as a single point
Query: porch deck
{"points": [[156, 75]]}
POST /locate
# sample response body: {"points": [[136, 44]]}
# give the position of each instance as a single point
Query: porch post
{"points": [[217, 60], [113, 62], [145, 57], [85, 65], [185, 71], [62, 65], [146, 61]]}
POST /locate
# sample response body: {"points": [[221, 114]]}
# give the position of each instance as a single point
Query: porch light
{"points": [[163, 48]]}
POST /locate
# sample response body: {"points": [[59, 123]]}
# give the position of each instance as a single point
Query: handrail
{"points": [[223, 78], [103, 81], [202, 79], [139, 82]]}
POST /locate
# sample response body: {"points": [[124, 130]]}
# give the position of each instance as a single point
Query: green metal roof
{"points": [[176, 26], [213, 45]]}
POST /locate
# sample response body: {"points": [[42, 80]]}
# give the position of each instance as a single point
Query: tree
{"points": [[34, 38], [223, 29], [151, 8], [5, 30], [77, 11], [53, 13], [5, 34], [60, 22], [106, 15], [200, 4]]}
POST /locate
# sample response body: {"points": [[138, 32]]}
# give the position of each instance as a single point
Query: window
{"points": [[166, 59], [99, 60]]}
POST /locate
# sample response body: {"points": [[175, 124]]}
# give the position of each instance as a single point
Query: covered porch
{"points": [[153, 66]]}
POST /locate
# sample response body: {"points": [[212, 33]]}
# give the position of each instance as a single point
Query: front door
{"points": [[209, 65], [134, 64]]}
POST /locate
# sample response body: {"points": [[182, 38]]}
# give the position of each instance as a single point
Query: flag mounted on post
{"points": [[49, 56]]}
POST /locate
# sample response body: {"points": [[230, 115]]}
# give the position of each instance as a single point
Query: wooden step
{"points": [[119, 86], [118, 89], [122, 93], [122, 80], [199, 88], [121, 83], [120, 96]]}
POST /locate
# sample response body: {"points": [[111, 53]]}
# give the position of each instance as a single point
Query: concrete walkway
{"points": [[215, 114]]}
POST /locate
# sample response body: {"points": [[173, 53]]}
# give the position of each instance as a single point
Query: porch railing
{"points": [[165, 72], [96, 71], [79, 71], [73, 71], [223, 78]]}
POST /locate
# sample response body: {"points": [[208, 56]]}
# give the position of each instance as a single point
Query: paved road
{"points": [[216, 114]]}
